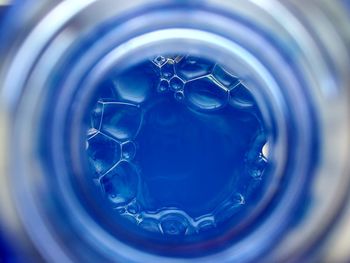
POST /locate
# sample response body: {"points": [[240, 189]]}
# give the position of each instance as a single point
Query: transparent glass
{"points": [[244, 103]]}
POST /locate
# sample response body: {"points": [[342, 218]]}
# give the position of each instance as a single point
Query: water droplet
{"points": [[174, 224], [266, 150], [120, 184], [167, 71], [163, 85], [179, 95], [121, 120], [103, 153], [128, 150], [190, 68], [176, 84], [150, 225], [237, 200], [241, 98], [258, 167], [256, 174], [133, 208], [206, 94], [224, 77]]}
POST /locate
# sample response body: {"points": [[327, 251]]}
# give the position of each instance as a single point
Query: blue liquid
{"points": [[175, 144]]}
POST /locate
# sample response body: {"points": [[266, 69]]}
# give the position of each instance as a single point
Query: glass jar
{"points": [[289, 61]]}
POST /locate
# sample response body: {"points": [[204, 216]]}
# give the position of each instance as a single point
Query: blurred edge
{"points": [[336, 249], [11, 249], [5, 2]]}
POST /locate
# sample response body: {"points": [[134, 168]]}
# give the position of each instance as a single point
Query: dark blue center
{"points": [[189, 159], [176, 145]]}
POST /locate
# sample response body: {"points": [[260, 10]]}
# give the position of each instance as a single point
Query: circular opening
{"points": [[177, 145]]}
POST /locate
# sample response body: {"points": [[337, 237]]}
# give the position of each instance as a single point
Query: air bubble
{"points": [[176, 84], [206, 94], [128, 150], [224, 77], [103, 153], [258, 167], [261, 162], [120, 184], [159, 61], [121, 120], [153, 139], [107, 90], [174, 224], [133, 208], [190, 68], [150, 225], [256, 174], [167, 71], [135, 85], [241, 98], [237, 200], [179, 95], [163, 85], [266, 150], [206, 225]]}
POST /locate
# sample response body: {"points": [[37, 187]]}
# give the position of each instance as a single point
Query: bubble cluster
{"points": [[188, 84]]}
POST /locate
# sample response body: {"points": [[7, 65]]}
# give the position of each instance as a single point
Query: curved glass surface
{"points": [[176, 131]]}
